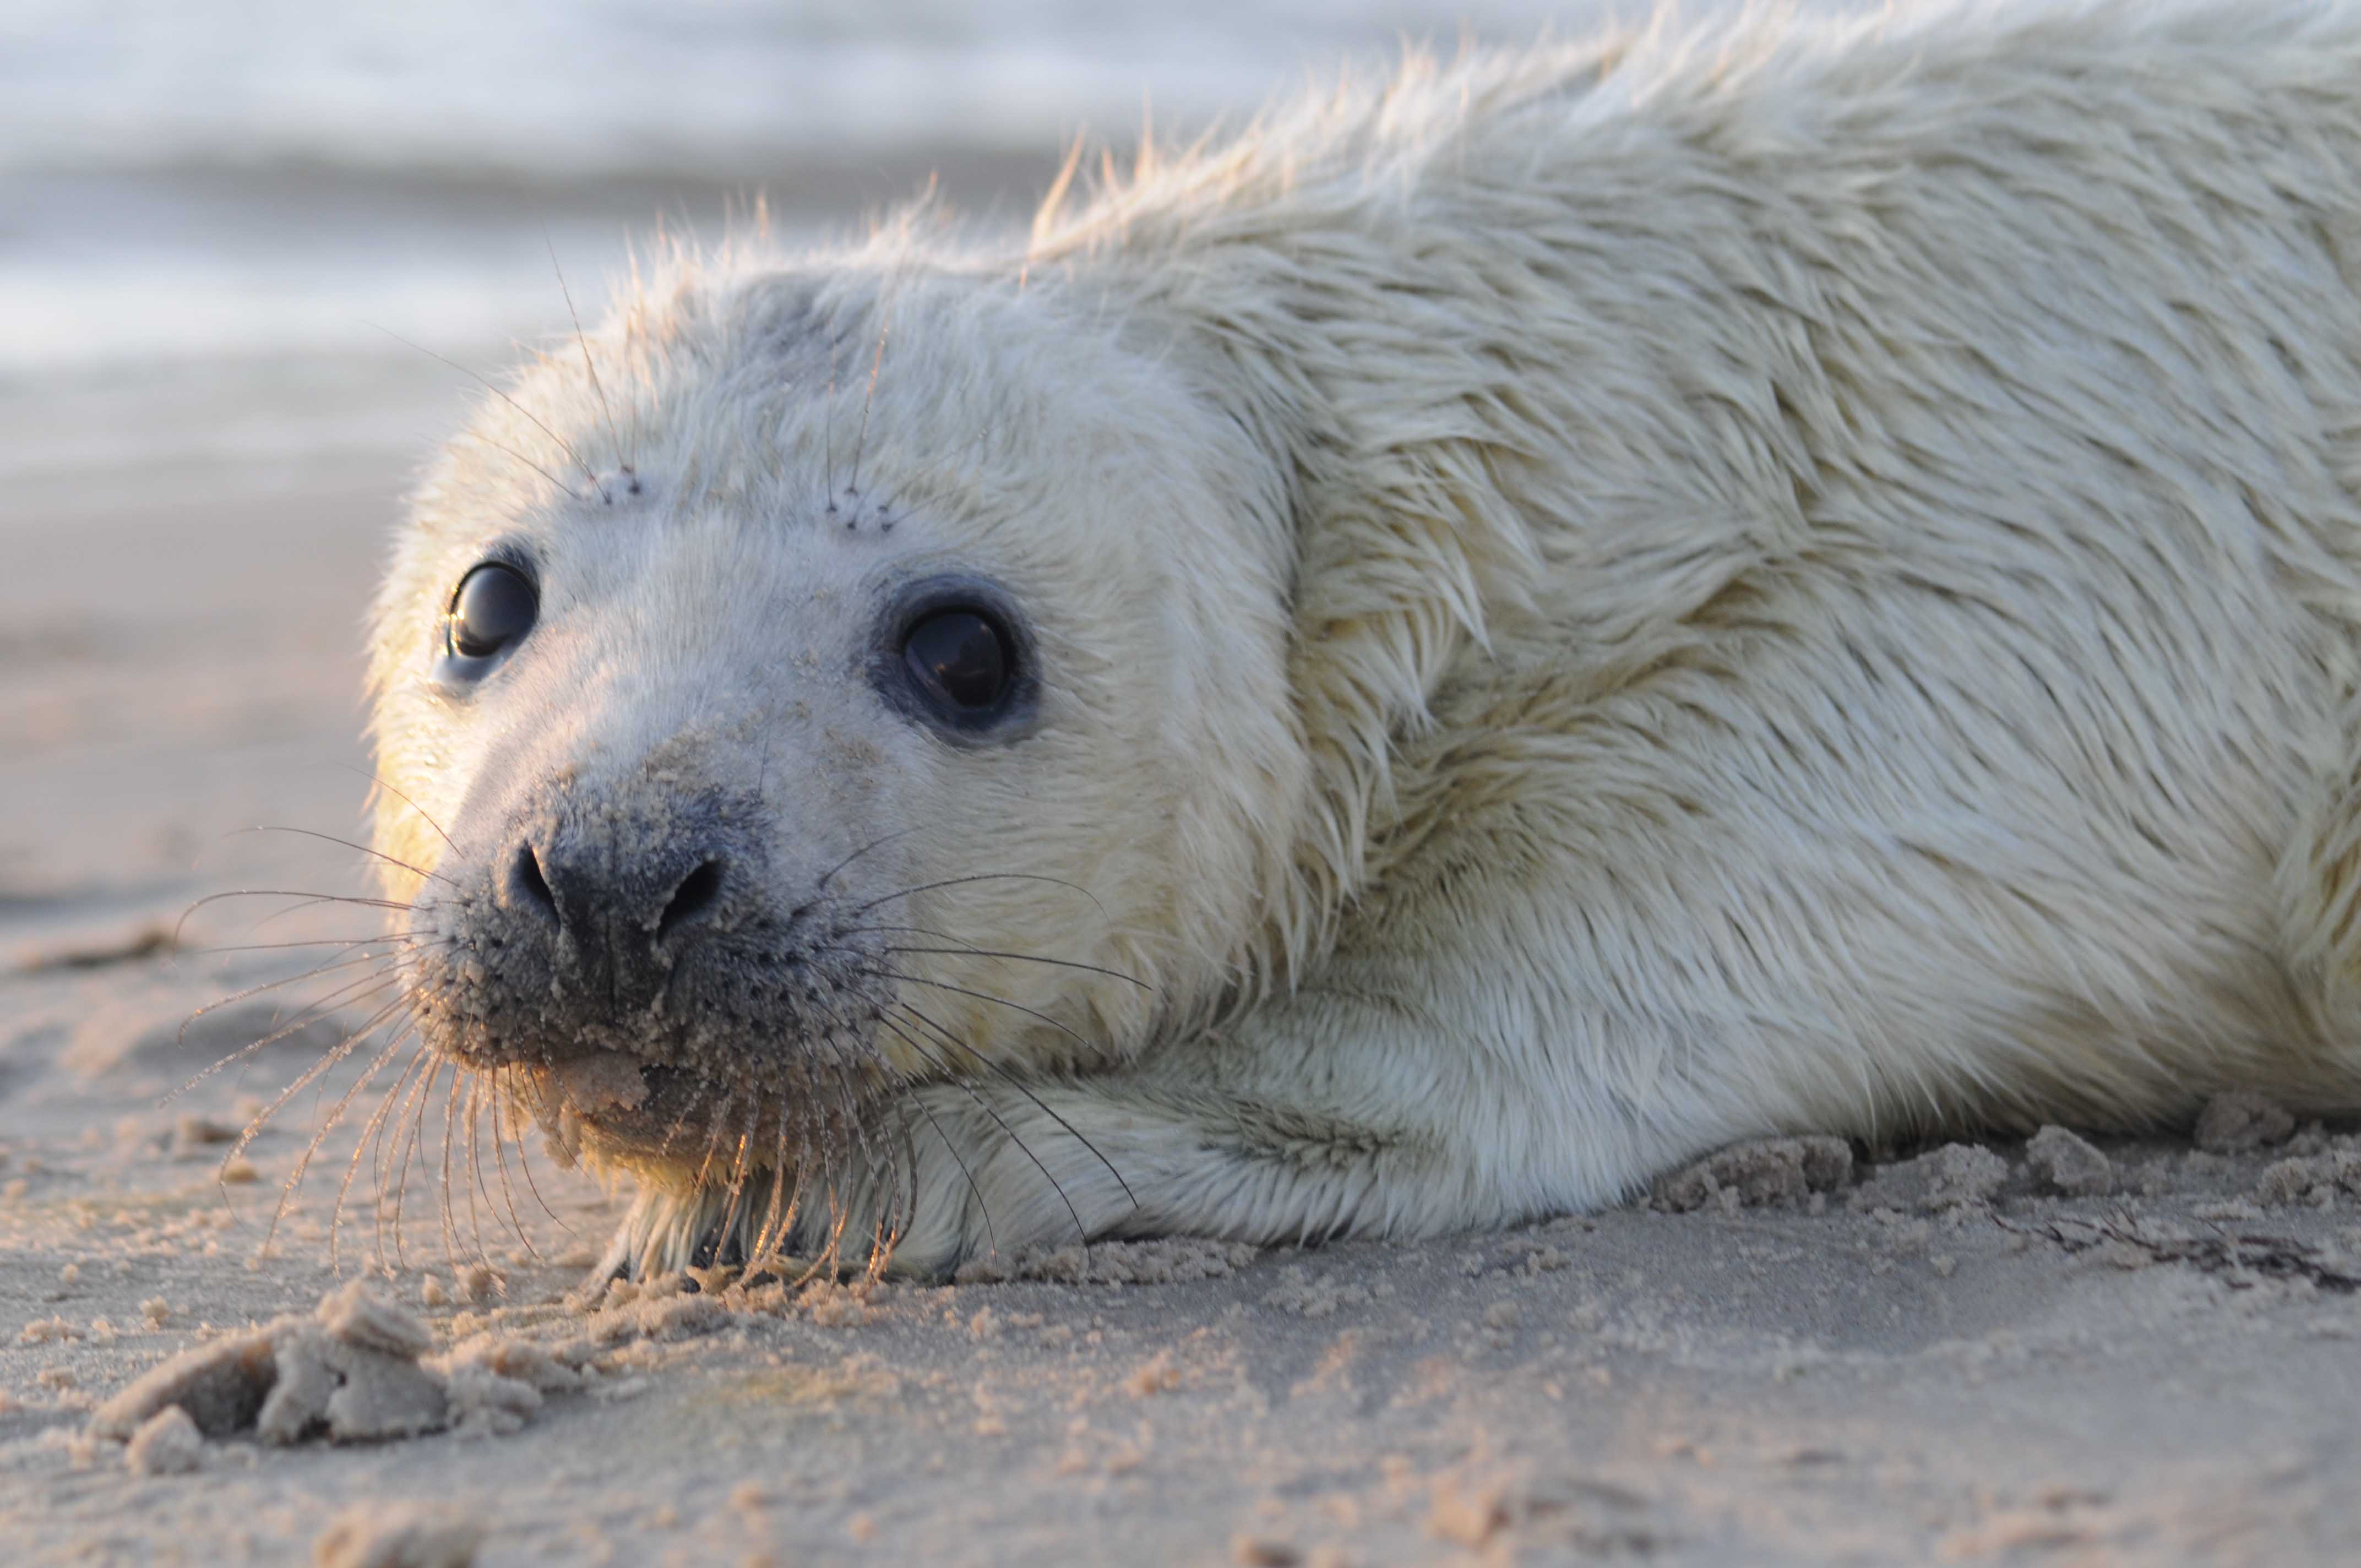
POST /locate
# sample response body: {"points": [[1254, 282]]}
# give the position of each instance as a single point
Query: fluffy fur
{"points": [[1794, 575]]}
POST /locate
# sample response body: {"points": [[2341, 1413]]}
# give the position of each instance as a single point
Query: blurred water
{"points": [[276, 180], [612, 86]]}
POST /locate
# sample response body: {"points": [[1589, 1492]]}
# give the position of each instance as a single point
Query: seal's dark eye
{"points": [[495, 607], [961, 659], [955, 655]]}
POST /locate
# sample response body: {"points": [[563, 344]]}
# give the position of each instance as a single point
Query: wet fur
{"points": [[1793, 575]]}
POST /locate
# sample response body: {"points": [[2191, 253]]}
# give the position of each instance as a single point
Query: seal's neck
{"points": [[1502, 339]]}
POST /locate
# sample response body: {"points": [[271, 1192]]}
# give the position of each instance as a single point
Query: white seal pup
{"points": [[1418, 667]]}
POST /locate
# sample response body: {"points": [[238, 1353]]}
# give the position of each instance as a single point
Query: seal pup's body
{"points": [[1580, 607]]}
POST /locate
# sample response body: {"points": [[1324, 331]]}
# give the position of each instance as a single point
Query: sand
{"points": [[2067, 1350]]}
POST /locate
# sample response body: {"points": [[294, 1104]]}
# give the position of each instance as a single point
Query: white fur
{"points": [[1793, 575]]}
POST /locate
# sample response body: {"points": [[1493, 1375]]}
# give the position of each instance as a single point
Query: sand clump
{"points": [[2319, 1179], [355, 1370], [167, 1444], [2070, 1164], [1803, 1173], [398, 1535], [670, 1316], [1768, 1173], [1307, 1294], [1955, 1177], [2241, 1123]]}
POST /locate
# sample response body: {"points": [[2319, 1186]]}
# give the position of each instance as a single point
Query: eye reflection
{"points": [[493, 610], [959, 659]]}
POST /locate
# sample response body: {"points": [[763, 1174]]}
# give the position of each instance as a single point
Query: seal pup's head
{"points": [[817, 682]]}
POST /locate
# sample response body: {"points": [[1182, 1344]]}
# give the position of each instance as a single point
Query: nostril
{"points": [[528, 886], [696, 892]]}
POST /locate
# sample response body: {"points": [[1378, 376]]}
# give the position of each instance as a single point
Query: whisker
{"points": [[414, 1112], [344, 843], [329, 965], [361, 1143], [837, 1137], [827, 434], [695, 1097], [394, 1109], [563, 445], [738, 1171], [475, 1182], [633, 334], [398, 796], [345, 1049], [1001, 1070], [1080, 1229], [556, 483], [811, 1162], [367, 985], [838, 1216], [872, 844], [525, 1149], [713, 1136], [605, 409], [885, 327], [987, 876], [1030, 958], [894, 1181], [320, 942], [253, 1128], [292, 910], [906, 1161], [450, 1135], [335, 1115], [884, 1238], [525, 1167], [983, 996], [775, 1220], [982, 1208], [279, 893], [499, 1097]]}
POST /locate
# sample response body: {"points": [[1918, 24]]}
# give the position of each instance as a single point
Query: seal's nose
{"points": [[617, 907]]}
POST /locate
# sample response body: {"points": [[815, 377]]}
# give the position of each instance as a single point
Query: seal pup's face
{"points": [[820, 684]]}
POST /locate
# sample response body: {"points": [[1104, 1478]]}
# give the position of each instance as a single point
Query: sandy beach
{"points": [[2054, 1351]]}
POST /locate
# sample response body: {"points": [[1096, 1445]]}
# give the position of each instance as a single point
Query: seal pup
{"points": [[1414, 668]]}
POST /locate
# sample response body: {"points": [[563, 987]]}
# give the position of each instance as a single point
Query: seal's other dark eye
{"points": [[960, 659], [494, 607], [955, 654]]}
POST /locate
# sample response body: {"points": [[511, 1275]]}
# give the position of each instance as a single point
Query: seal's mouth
{"points": [[727, 1170], [611, 1105], [602, 1083], [677, 1125]]}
